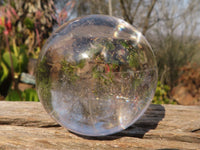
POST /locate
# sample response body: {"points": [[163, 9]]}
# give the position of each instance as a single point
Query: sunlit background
{"points": [[171, 27]]}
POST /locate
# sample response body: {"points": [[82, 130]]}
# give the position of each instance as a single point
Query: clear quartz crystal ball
{"points": [[96, 75]]}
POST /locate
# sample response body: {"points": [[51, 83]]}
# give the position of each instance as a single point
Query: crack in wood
{"points": [[196, 130], [50, 126]]}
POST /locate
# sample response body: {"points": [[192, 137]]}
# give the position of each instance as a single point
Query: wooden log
{"points": [[25, 125]]}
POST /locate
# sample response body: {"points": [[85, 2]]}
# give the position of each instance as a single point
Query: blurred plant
{"points": [[24, 25], [63, 10], [189, 82], [190, 74], [175, 38], [35, 23], [8, 17], [174, 54], [19, 59], [30, 95], [161, 95], [26, 95], [14, 95]]}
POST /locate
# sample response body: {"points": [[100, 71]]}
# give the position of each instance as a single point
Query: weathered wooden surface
{"points": [[25, 125]]}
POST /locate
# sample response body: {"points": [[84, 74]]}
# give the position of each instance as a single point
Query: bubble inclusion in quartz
{"points": [[96, 75]]}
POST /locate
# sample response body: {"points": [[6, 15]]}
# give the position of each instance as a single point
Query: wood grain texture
{"points": [[25, 125]]}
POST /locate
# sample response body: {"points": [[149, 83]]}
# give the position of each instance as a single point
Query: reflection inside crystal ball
{"points": [[96, 75]]}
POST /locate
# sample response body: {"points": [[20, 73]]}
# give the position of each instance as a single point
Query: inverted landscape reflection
{"points": [[96, 75]]}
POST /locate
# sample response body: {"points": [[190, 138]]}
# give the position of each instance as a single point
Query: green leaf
{"points": [[1, 29], [30, 95], [23, 62], [15, 49], [29, 23], [4, 72], [6, 59], [13, 95]]}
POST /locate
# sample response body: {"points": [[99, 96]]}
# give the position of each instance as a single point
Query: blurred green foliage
{"points": [[24, 27], [161, 95], [3, 72], [26, 95], [14, 95], [30, 29], [30, 95], [29, 23], [19, 58]]}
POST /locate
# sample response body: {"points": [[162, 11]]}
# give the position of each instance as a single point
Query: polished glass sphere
{"points": [[96, 75]]}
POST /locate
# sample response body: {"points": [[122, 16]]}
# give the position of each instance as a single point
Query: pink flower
{"points": [[9, 25], [107, 68], [38, 14], [1, 22], [14, 12], [6, 32], [8, 14]]}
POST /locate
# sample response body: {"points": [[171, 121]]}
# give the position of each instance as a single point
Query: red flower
{"points": [[1, 22], [9, 25], [107, 68]]}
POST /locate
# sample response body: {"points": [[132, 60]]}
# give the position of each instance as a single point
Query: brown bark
{"points": [[125, 12], [146, 23], [136, 10]]}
